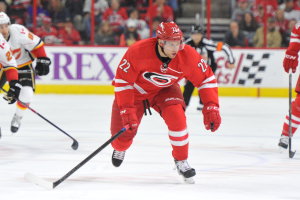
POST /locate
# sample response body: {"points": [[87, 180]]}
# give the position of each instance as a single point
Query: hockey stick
{"points": [[51, 185], [75, 143], [291, 153], [27, 71]]}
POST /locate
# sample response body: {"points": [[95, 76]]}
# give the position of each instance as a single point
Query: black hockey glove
{"points": [[13, 92], [42, 66]]}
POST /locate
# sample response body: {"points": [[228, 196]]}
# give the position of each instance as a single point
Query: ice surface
{"points": [[239, 161]]}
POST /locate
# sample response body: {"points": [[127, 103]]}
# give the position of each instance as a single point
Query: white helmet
{"points": [[4, 19]]}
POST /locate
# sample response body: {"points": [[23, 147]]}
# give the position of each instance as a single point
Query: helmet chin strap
{"points": [[162, 49]]}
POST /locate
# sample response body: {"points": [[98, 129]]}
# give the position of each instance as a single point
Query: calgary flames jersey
{"points": [[8, 62], [141, 74], [22, 42]]}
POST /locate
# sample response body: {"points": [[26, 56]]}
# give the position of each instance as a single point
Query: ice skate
{"points": [[15, 124], [283, 142], [117, 158], [185, 171]]}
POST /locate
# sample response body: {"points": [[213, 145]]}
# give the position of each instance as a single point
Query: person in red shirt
{"points": [[297, 4], [69, 34], [47, 32], [260, 15], [116, 17], [272, 6], [290, 62], [281, 23], [147, 77], [159, 9]]}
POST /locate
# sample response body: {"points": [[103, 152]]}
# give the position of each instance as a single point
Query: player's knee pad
{"points": [[174, 117], [26, 94]]}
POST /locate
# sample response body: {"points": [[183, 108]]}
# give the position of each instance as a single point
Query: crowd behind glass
{"points": [[123, 22]]}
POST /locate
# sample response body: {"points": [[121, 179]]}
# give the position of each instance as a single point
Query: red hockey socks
{"points": [[176, 121], [295, 118]]}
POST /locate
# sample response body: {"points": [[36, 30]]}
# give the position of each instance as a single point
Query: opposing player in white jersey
{"points": [[25, 47], [9, 66]]}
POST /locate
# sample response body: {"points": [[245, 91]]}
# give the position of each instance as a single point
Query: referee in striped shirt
{"points": [[205, 47]]}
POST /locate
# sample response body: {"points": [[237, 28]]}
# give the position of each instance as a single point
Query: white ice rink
{"points": [[239, 161]]}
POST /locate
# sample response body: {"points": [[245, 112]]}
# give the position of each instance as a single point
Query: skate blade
{"points": [[188, 180], [280, 150]]}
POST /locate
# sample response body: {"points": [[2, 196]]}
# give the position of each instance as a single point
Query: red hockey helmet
{"points": [[169, 31]]}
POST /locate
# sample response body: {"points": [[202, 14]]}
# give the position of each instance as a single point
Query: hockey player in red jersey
{"points": [[291, 62], [147, 77]]}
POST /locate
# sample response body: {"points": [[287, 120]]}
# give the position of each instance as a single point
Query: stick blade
{"points": [[291, 154], [39, 181]]}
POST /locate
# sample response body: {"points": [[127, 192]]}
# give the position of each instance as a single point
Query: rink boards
{"points": [[90, 70]]}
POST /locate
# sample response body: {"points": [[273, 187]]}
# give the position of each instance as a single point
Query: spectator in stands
{"points": [[260, 16], [47, 32], [287, 35], [41, 13], [273, 36], [3, 6], [248, 25], [116, 16], [159, 9], [130, 36], [155, 22], [105, 35], [76, 12], [297, 5], [290, 12], [142, 28], [69, 34], [281, 23], [58, 13], [272, 6], [100, 7], [234, 37], [19, 4], [174, 5], [239, 12]]}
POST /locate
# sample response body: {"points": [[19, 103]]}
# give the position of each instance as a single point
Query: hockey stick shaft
{"points": [[75, 143], [27, 71], [291, 153], [56, 183]]}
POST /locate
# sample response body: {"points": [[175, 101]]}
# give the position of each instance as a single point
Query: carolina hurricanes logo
{"points": [[160, 80]]}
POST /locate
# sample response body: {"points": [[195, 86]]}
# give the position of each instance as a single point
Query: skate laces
{"points": [[16, 121], [182, 165], [119, 155]]}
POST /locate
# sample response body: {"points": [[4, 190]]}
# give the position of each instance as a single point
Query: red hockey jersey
{"points": [[295, 39], [140, 74]]}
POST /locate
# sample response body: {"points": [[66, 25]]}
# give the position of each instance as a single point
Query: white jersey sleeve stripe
{"points": [[141, 90], [120, 81], [209, 79], [294, 40], [119, 89], [208, 85], [294, 35]]}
